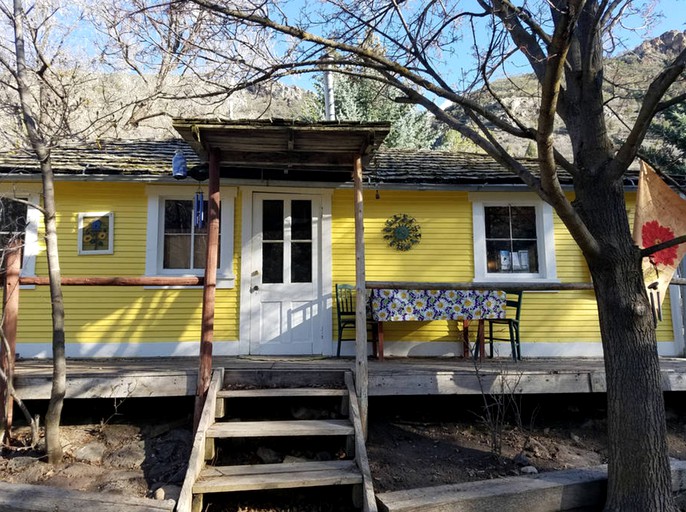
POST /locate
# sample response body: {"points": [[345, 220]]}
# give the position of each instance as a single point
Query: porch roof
{"points": [[282, 148]]}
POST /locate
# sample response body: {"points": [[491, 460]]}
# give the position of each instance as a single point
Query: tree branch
{"points": [[664, 245]]}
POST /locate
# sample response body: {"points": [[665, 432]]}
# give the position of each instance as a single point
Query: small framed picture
{"points": [[96, 233]]}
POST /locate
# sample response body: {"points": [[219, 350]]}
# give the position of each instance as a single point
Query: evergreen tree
{"points": [[364, 99]]}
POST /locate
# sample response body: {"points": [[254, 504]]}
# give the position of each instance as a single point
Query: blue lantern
{"points": [[179, 166]]}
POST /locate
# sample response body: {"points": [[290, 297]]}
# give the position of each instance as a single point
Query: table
{"points": [[401, 305]]}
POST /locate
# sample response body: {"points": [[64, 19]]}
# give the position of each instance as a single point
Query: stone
{"points": [[19, 463], [92, 453], [575, 438], [167, 492], [528, 470], [268, 456], [536, 448], [129, 456], [521, 459], [290, 459]]}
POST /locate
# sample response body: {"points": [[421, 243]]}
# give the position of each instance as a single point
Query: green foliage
{"points": [[669, 154], [364, 99], [452, 141]]}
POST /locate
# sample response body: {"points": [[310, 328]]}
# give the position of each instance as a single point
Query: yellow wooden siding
{"points": [[119, 314], [445, 253]]}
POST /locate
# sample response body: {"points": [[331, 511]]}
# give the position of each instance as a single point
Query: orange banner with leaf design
{"points": [[660, 216]]}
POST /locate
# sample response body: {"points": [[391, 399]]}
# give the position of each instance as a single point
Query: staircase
{"points": [[283, 413]]}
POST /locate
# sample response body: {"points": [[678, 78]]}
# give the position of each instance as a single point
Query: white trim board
{"points": [[113, 349]]}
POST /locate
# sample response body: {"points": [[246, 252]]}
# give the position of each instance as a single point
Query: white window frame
{"points": [[31, 194], [110, 234], [154, 258], [545, 237]]}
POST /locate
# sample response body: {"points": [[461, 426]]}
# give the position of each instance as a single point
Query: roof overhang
{"points": [[283, 145]]}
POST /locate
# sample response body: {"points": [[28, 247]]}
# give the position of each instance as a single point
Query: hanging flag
{"points": [[660, 216]]}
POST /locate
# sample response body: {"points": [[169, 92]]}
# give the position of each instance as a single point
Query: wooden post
{"points": [[209, 289], [9, 327], [361, 375]]}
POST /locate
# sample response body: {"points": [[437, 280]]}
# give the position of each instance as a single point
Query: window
{"points": [[177, 243], [513, 238], [13, 221], [20, 219]]}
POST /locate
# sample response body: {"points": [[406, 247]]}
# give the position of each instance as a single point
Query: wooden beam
{"points": [[117, 281], [9, 326], [209, 289], [318, 160], [361, 369], [468, 285]]}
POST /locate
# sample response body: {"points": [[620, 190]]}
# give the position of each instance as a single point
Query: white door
{"points": [[285, 283]]}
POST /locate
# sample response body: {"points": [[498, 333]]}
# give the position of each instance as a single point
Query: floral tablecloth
{"points": [[395, 305]]}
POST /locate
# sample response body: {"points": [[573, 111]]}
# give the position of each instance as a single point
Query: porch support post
{"points": [[361, 376], [9, 330], [209, 288]]}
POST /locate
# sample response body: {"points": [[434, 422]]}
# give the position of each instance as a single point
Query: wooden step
{"points": [[281, 428], [277, 476], [280, 392]]}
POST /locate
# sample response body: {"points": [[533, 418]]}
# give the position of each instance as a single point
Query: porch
{"points": [[164, 377]]}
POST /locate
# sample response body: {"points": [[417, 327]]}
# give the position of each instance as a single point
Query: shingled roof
{"points": [[387, 168]]}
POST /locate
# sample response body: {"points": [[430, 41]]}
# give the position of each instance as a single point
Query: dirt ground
{"points": [[413, 442]]}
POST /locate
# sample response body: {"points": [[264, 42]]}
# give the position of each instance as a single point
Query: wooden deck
{"points": [[160, 377]]}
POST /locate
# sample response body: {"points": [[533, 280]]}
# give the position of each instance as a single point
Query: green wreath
{"points": [[402, 232]]}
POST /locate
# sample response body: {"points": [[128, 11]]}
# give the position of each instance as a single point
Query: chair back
{"points": [[514, 300], [345, 300]]}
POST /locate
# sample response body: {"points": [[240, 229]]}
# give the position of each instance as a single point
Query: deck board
{"points": [[147, 377]]}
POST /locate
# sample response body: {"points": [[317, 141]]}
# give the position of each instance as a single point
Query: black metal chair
{"points": [[514, 301], [346, 315]]}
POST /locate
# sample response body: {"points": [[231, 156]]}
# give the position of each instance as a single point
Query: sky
{"points": [[673, 18]]}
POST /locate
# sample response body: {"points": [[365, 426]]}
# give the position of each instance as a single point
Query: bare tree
{"points": [[41, 85], [564, 43]]}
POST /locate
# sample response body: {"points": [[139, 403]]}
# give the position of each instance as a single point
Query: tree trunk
{"points": [[59, 365], [59, 371], [639, 477]]}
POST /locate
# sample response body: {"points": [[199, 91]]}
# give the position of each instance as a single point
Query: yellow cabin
{"points": [[287, 237]]}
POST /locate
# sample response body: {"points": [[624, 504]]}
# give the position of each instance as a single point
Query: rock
{"points": [[168, 492], [288, 459], [521, 459], [575, 438], [536, 448], [268, 456], [129, 456], [528, 470], [92, 453]]}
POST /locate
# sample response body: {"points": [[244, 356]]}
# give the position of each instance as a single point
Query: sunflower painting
{"points": [[95, 233]]}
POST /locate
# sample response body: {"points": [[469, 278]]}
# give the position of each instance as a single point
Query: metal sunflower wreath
{"points": [[402, 232]]}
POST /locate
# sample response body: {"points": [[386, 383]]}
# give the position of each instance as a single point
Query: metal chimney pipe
{"points": [[329, 106]]}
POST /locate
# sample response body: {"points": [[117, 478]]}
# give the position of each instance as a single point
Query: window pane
{"points": [[13, 220], [200, 251], [272, 262], [272, 220], [177, 251], [497, 221], [301, 262], [523, 221], [301, 213], [527, 255], [178, 216], [498, 256]]}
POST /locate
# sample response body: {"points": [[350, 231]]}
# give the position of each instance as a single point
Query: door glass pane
{"points": [[272, 219], [301, 213], [301, 262], [272, 262]]}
